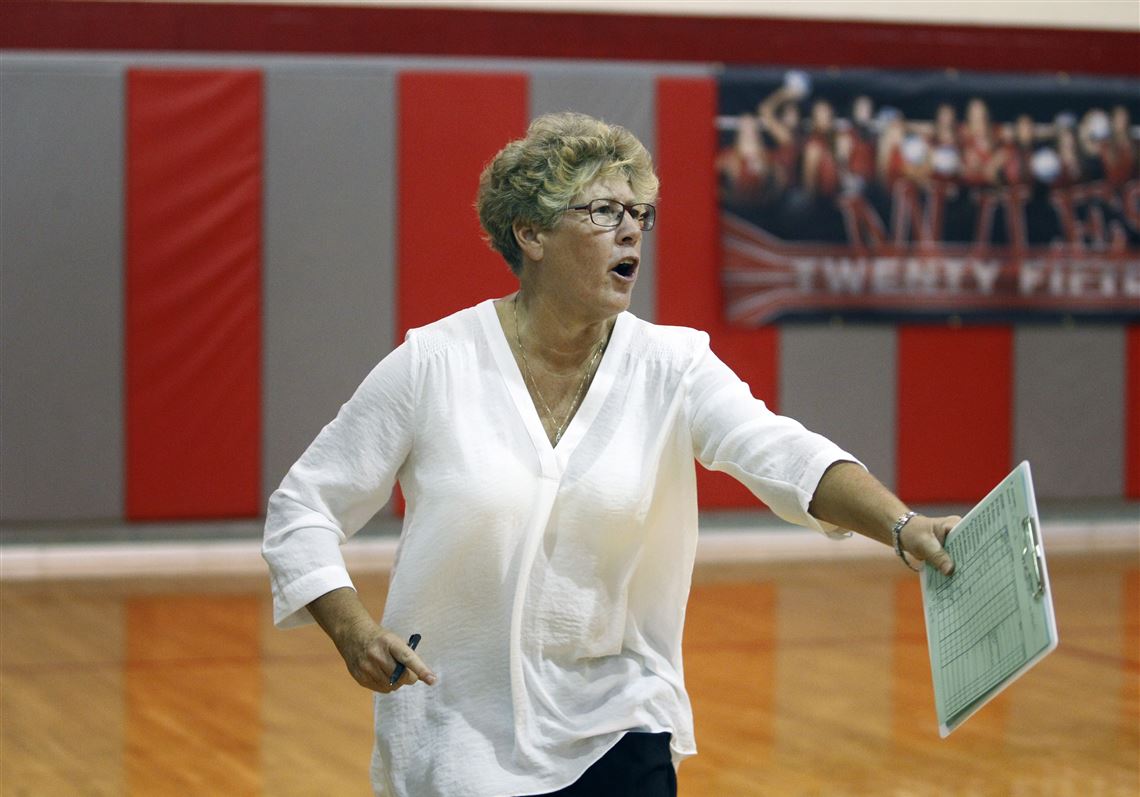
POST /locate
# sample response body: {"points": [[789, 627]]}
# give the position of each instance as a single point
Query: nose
{"points": [[628, 231]]}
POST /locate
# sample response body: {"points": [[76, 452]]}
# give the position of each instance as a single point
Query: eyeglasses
{"points": [[610, 212]]}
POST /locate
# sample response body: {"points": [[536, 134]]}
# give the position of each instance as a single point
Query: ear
{"points": [[529, 238]]}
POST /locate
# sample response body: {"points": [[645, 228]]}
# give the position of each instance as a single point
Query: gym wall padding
{"points": [[852, 401], [451, 124], [688, 283], [61, 291], [330, 245], [193, 293], [1068, 394], [954, 410], [1132, 413], [368, 167]]}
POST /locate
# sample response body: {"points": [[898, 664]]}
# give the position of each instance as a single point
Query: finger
{"points": [[942, 561], [945, 525], [406, 676], [415, 670]]}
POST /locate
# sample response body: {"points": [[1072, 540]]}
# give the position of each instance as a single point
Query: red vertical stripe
{"points": [[955, 398], [688, 291], [451, 125], [1132, 413], [688, 254], [193, 303]]}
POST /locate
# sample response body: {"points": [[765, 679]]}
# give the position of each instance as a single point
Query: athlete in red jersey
{"points": [[820, 169], [1118, 154]]}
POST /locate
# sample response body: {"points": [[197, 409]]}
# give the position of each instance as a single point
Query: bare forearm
{"points": [[341, 615], [852, 498]]}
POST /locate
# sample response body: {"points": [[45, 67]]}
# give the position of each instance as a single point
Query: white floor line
{"points": [[243, 557]]}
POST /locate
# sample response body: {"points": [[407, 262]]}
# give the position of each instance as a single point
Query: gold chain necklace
{"points": [[581, 385]]}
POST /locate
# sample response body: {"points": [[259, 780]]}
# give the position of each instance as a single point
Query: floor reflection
{"points": [[806, 679]]}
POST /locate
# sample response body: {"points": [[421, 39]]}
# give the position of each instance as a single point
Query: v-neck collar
{"points": [[553, 457]]}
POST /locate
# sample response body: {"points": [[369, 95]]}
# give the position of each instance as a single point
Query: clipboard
{"points": [[992, 620]]}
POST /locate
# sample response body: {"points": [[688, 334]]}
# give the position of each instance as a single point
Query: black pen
{"points": [[413, 640]]}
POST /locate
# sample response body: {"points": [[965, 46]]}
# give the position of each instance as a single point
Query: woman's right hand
{"points": [[370, 652]]}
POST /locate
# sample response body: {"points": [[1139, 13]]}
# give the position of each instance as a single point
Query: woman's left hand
{"points": [[923, 537]]}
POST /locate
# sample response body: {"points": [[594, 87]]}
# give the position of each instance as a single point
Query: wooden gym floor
{"points": [[806, 679]]}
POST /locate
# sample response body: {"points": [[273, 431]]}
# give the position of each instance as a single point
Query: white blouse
{"points": [[549, 583]]}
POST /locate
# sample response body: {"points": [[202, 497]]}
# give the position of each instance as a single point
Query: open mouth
{"points": [[626, 268]]}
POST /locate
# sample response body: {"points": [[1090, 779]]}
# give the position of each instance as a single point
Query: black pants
{"points": [[639, 765]]}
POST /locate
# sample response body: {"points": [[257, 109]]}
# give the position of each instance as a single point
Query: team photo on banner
{"points": [[886, 195]]}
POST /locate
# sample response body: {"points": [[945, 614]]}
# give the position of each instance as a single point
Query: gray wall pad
{"points": [[1069, 409], [330, 184], [621, 95], [61, 292], [840, 382]]}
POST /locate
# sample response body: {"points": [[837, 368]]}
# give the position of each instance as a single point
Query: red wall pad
{"points": [[451, 125], [193, 282], [1132, 414], [688, 256], [955, 399]]}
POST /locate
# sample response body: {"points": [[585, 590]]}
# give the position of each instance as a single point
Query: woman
{"points": [[545, 444], [743, 167], [982, 159], [1118, 153], [779, 115], [820, 168]]}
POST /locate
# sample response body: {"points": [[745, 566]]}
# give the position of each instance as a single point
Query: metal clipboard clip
{"points": [[1033, 548]]}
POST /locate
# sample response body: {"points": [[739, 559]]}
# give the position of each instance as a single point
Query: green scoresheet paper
{"points": [[993, 619]]}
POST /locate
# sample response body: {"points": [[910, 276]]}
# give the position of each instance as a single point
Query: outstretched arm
{"points": [[852, 498]]}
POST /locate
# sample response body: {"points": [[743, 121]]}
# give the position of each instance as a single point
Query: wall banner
{"points": [[884, 196]]}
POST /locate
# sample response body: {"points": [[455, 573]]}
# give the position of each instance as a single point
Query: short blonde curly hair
{"points": [[535, 178]]}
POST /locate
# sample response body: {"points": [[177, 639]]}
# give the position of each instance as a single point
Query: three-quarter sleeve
{"points": [[344, 477], [774, 456]]}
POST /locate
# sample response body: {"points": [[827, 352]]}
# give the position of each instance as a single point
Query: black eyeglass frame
{"points": [[649, 214]]}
